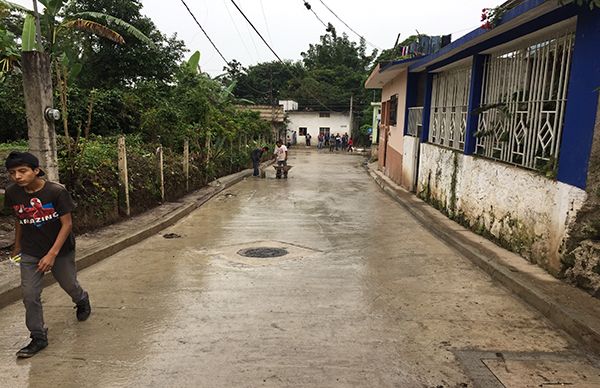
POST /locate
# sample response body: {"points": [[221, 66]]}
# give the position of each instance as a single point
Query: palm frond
{"points": [[118, 22], [94, 28], [14, 7]]}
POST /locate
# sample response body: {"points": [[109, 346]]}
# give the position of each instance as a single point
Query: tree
{"points": [[55, 25], [110, 65], [336, 70], [264, 83]]}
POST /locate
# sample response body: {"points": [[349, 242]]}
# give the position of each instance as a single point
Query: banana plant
{"points": [[9, 53], [54, 25]]}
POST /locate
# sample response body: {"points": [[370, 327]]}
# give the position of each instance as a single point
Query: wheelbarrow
{"points": [[282, 170]]}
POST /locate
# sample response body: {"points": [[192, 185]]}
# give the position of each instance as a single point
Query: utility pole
{"points": [[351, 114]]}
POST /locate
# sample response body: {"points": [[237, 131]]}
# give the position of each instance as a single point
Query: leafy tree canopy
{"points": [[108, 64], [330, 72]]}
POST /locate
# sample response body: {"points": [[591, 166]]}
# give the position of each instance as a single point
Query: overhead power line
{"points": [[262, 7], [277, 56], [237, 30], [205, 34], [255, 30], [308, 7], [346, 24]]}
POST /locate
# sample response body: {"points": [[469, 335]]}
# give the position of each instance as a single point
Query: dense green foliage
{"points": [[130, 88], [330, 73], [139, 89]]}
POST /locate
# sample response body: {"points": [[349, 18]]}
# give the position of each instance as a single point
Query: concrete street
{"points": [[365, 297]]}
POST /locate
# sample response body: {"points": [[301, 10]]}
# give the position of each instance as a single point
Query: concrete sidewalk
{"points": [[569, 308], [98, 245]]}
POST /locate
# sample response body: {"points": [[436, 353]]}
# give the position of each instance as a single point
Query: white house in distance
{"points": [[314, 122]]}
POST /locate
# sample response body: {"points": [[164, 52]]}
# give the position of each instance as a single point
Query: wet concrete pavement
{"points": [[366, 296]]}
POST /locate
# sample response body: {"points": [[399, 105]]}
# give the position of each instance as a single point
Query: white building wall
{"points": [[525, 211], [336, 122]]}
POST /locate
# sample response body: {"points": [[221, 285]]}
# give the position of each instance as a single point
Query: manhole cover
{"points": [[262, 252]]}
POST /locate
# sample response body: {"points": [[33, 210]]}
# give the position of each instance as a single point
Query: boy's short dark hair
{"points": [[16, 159]]}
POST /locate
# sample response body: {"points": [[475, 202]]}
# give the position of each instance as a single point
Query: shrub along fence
{"points": [[115, 177]]}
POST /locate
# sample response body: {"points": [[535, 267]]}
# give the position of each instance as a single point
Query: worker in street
{"points": [[281, 156], [256, 155]]}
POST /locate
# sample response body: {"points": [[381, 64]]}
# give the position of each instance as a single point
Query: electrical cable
{"points": [[262, 7], [309, 7], [205, 34], [346, 24], [277, 56], [237, 30], [255, 30]]}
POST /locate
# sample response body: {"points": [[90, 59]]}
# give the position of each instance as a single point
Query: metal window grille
{"points": [[449, 106], [523, 103], [415, 121], [393, 119]]}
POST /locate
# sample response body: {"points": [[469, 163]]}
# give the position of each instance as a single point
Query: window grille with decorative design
{"points": [[523, 103], [449, 106], [393, 110]]}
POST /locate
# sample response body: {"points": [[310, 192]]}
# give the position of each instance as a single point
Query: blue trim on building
{"points": [[412, 87], [582, 102], [475, 93], [548, 19], [427, 108]]}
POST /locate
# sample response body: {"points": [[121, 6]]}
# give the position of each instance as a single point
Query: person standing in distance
{"points": [[45, 242], [256, 155], [281, 155]]}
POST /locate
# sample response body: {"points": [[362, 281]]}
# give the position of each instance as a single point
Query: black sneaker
{"points": [[34, 346], [83, 309]]}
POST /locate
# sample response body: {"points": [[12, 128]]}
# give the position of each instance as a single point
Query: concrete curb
{"points": [[569, 308], [12, 292]]}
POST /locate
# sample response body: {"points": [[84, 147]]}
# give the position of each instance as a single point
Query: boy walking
{"points": [[44, 240]]}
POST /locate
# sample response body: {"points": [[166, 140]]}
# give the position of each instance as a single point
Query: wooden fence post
{"points": [[186, 163], [207, 146], [161, 175], [123, 178], [231, 156]]}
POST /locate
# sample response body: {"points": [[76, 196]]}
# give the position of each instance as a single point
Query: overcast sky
{"points": [[289, 27]]}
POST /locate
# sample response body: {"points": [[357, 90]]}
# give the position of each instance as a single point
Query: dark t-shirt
{"points": [[39, 215], [256, 154]]}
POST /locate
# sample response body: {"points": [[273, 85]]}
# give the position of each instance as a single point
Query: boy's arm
{"points": [[17, 246], [46, 263]]}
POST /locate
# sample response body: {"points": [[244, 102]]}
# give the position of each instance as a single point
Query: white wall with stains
{"points": [[521, 209]]}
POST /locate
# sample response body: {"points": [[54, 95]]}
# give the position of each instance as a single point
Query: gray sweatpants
{"points": [[65, 273]]}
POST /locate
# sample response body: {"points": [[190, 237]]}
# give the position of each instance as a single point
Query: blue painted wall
{"points": [[582, 101], [475, 92], [427, 108]]}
